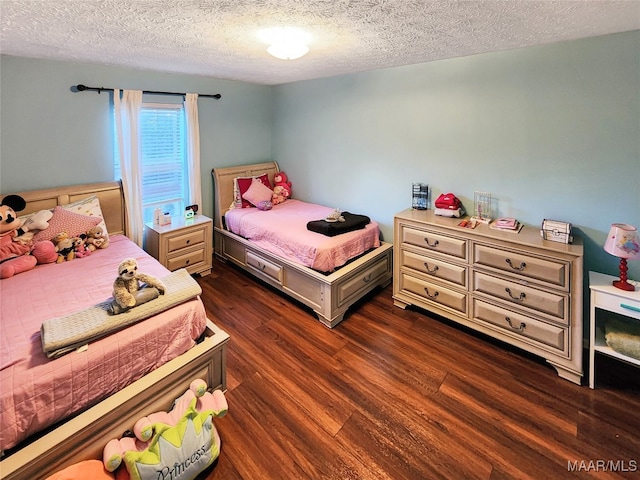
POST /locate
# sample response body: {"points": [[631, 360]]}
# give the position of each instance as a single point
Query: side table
{"points": [[605, 296]]}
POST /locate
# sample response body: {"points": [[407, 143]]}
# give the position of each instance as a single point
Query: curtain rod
{"points": [[82, 88]]}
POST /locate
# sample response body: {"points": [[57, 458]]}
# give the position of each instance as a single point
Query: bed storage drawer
{"points": [[265, 267], [362, 280]]}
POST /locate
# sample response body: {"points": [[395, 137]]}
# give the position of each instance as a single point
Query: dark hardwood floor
{"points": [[402, 394]]}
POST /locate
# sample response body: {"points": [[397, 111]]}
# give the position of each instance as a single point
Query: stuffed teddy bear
{"points": [[65, 247], [17, 254], [130, 282], [96, 239], [281, 188], [195, 398]]}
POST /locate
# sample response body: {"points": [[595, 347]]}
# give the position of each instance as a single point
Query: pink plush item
{"points": [[257, 192], [242, 184], [115, 449], [93, 469], [64, 220]]}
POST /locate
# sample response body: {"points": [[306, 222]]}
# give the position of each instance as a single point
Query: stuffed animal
{"points": [[96, 239], [281, 189], [80, 247], [195, 402], [129, 282], [19, 254], [65, 247]]}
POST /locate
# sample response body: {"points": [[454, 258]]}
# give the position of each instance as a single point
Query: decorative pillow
{"points": [[257, 192], [242, 184], [66, 221], [93, 469], [89, 206]]}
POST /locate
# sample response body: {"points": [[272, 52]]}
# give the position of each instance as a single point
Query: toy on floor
{"points": [[180, 443]]}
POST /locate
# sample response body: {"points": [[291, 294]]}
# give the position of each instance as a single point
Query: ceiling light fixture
{"points": [[286, 43]]}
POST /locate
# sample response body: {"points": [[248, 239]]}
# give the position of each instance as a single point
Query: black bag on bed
{"points": [[351, 222]]}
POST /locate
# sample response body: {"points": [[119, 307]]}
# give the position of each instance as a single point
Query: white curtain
{"points": [[193, 149], [127, 113]]}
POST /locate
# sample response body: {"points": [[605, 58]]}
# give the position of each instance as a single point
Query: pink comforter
{"points": [[36, 392], [283, 232]]}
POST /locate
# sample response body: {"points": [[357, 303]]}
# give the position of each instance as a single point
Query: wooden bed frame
{"points": [[83, 437], [328, 295]]}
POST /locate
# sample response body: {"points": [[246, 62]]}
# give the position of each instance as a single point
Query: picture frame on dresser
{"points": [[518, 288]]}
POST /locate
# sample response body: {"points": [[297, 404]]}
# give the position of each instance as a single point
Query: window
{"points": [[163, 159]]}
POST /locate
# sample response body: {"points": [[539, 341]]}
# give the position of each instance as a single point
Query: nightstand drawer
{"points": [[523, 265], [435, 242], [187, 239], [613, 303], [186, 260]]}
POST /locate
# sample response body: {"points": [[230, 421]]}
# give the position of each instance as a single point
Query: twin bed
{"points": [[56, 412], [327, 274]]}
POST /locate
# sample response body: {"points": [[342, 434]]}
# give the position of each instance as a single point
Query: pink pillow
{"points": [[243, 184], [66, 221], [257, 192]]}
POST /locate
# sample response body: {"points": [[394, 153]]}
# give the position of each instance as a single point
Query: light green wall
{"points": [[552, 131], [51, 136]]}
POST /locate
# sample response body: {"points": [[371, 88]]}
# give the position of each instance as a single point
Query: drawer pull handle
{"points": [[188, 242], [433, 270], [630, 307], [432, 245], [187, 262], [517, 329], [431, 296], [366, 278], [518, 298], [262, 266], [520, 268]]}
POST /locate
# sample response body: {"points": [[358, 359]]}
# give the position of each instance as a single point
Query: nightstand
{"points": [[604, 296], [184, 243]]}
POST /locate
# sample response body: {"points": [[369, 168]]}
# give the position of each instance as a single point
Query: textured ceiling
{"points": [[219, 38]]}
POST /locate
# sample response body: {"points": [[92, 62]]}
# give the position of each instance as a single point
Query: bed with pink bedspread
{"points": [[36, 392], [55, 412], [283, 231], [327, 274]]}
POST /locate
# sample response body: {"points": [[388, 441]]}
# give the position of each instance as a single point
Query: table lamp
{"points": [[623, 242]]}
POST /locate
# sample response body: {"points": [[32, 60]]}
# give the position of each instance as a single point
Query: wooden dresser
{"points": [[515, 287]]}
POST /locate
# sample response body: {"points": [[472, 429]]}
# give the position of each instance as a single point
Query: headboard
{"points": [[109, 194], [223, 184]]}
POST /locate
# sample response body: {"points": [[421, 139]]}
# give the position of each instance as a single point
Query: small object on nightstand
{"points": [[623, 242], [165, 219]]}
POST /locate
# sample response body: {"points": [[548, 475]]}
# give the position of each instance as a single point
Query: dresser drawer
{"points": [[186, 260], [523, 265], [456, 247], [517, 325], [186, 239], [434, 293], [433, 267], [554, 304], [264, 266]]}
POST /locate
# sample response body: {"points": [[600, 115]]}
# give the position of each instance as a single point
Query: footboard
{"points": [[84, 436], [328, 295]]}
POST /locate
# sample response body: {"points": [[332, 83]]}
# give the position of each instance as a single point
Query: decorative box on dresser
{"points": [[515, 287], [184, 243]]}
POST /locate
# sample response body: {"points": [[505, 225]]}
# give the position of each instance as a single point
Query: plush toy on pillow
{"points": [[132, 288], [281, 189], [180, 443], [96, 239], [19, 254], [65, 247]]}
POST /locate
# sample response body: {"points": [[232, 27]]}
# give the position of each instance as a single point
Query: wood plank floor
{"points": [[402, 394]]}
